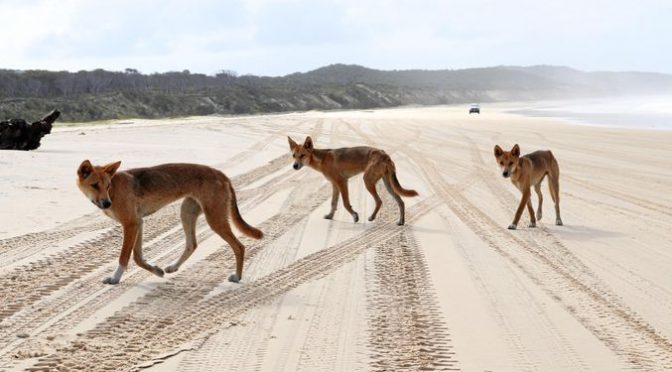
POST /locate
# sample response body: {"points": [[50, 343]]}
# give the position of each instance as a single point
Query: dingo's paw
{"points": [[539, 215], [233, 278], [532, 224], [400, 223], [157, 271], [371, 218], [355, 217], [328, 216], [110, 280], [512, 226], [558, 222], [171, 269]]}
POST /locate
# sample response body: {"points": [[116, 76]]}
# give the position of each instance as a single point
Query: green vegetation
{"points": [[101, 95]]}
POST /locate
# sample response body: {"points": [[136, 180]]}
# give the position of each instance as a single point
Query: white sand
{"points": [[454, 289]]}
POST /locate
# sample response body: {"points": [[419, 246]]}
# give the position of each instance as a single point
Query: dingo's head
{"points": [[95, 182], [507, 160], [302, 154]]}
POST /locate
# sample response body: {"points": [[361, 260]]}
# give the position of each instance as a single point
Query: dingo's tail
{"points": [[238, 220], [392, 178]]}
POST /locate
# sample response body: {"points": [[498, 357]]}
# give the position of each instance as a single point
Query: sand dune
{"points": [[451, 290]]}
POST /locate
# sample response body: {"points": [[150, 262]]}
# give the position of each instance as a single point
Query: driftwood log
{"points": [[17, 134]]}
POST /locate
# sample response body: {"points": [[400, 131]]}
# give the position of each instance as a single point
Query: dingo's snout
{"points": [[102, 203]]}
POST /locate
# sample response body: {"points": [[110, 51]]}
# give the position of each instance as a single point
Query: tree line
{"points": [[101, 94]]}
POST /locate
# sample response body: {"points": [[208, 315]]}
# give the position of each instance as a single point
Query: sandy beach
{"points": [[451, 290]]}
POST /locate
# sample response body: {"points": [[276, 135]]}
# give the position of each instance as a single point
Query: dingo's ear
{"points": [[292, 144], [515, 151], [85, 169], [308, 143], [111, 168], [498, 151]]}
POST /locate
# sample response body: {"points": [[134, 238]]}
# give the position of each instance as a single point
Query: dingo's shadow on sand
{"points": [[392, 226], [584, 233]]}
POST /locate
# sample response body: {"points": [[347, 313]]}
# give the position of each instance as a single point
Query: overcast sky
{"points": [[276, 37]]}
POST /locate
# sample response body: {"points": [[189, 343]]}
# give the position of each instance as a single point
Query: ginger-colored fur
{"points": [[130, 195], [338, 165], [528, 171]]}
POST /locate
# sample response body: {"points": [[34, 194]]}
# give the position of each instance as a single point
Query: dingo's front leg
{"points": [[138, 258], [116, 276], [521, 207], [530, 210], [130, 237], [334, 201], [343, 187]]}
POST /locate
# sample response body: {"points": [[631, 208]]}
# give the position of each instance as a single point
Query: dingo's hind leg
{"points": [[397, 198], [554, 187], [218, 219], [343, 188], [370, 180], [189, 213], [537, 189]]}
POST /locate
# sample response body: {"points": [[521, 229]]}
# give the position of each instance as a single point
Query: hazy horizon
{"points": [[339, 63], [279, 37]]}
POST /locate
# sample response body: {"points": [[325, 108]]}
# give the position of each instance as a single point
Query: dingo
{"points": [[528, 171], [340, 164], [130, 195]]}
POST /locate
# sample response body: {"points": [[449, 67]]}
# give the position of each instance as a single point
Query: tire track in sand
{"points": [[261, 144], [140, 333], [407, 332], [336, 335], [547, 262], [49, 294], [26, 284], [508, 201], [35, 282], [20, 247], [642, 203], [245, 348], [475, 172], [76, 299]]}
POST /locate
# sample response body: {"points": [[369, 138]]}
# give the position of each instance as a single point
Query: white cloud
{"points": [[26, 23], [282, 36]]}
